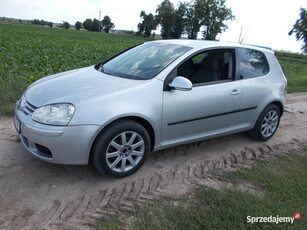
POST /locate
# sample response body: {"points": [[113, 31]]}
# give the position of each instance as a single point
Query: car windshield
{"points": [[144, 61]]}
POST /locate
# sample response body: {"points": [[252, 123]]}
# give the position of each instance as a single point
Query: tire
{"points": [[121, 149], [267, 123]]}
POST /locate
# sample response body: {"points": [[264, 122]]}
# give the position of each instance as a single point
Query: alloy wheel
{"points": [[269, 123], [125, 151]]}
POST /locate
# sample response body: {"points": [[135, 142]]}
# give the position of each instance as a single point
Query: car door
{"points": [[254, 72], [208, 109]]}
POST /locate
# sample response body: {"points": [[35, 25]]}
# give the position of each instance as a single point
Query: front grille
{"points": [[28, 108]]}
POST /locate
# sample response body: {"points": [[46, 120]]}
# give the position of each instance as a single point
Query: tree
{"points": [[87, 24], [189, 18], [211, 14], [165, 17], [41, 22], [179, 21], [78, 25], [36, 22], [215, 13], [66, 25], [300, 29], [147, 25], [95, 25], [194, 21], [107, 24]]}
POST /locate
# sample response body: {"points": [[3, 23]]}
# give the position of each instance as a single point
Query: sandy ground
{"points": [[39, 195]]}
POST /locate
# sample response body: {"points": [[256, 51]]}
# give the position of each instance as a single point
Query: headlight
{"points": [[56, 114]]}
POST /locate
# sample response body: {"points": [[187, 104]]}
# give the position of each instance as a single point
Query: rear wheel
{"points": [[267, 123], [121, 149]]}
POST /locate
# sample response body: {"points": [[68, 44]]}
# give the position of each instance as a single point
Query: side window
{"points": [[209, 66], [253, 63], [198, 58]]}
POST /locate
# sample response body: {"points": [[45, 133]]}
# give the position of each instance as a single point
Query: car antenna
{"points": [[240, 34], [245, 33]]}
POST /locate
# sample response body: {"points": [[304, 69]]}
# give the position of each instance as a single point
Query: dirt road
{"points": [[39, 195]]}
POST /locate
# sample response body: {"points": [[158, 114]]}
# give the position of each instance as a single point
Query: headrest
{"points": [[210, 63]]}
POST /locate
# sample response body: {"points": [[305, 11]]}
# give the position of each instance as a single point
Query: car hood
{"points": [[75, 85]]}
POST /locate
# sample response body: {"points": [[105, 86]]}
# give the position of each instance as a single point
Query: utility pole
{"points": [[99, 20]]}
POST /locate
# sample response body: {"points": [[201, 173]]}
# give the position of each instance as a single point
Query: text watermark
{"points": [[273, 219]]}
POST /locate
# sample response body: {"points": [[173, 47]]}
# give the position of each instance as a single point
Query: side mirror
{"points": [[181, 83]]}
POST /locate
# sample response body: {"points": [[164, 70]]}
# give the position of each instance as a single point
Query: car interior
{"points": [[208, 67]]}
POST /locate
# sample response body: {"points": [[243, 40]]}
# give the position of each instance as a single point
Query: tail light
{"points": [[286, 87]]}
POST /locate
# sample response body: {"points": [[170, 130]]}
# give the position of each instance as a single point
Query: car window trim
{"points": [[212, 83], [237, 69]]}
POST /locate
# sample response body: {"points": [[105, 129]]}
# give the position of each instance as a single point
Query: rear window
{"points": [[253, 63]]}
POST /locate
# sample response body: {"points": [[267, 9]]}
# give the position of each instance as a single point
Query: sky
{"points": [[263, 22]]}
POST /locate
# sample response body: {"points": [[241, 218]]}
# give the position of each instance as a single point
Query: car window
{"points": [[253, 63], [144, 61], [198, 58], [208, 67]]}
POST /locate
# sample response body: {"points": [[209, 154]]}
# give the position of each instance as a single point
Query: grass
{"points": [[28, 53], [281, 189], [112, 224], [295, 69]]}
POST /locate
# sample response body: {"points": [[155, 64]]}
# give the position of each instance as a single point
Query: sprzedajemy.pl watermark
{"points": [[273, 219]]}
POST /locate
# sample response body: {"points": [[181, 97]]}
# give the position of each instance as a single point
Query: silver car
{"points": [[152, 96]]}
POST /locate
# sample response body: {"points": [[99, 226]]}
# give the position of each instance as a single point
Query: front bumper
{"points": [[55, 144]]}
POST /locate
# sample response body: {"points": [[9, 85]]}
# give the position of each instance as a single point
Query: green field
{"points": [[28, 53], [295, 69]]}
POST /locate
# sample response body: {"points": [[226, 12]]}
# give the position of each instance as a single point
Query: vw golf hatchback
{"points": [[152, 96]]}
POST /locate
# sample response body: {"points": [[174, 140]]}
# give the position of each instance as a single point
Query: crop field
{"points": [[28, 53]]}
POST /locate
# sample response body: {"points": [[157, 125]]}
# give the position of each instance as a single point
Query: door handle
{"points": [[235, 92]]}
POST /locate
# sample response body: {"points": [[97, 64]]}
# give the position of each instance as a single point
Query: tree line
{"points": [[93, 25], [41, 22], [187, 18]]}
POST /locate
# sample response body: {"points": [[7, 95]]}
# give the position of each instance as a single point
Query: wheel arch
{"points": [[279, 105], [140, 120], [147, 126], [256, 132]]}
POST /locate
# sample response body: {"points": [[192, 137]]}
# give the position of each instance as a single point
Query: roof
{"points": [[198, 44]]}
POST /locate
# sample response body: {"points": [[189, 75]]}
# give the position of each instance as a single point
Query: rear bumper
{"points": [[56, 144]]}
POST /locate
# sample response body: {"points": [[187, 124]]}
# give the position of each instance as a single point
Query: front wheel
{"points": [[266, 124], [121, 149]]}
